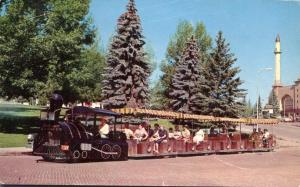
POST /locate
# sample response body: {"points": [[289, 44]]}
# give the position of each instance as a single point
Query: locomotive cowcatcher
{"points": [[75, 137]]}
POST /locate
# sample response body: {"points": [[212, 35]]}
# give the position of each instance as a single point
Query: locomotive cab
{"points": [[75, 137]]}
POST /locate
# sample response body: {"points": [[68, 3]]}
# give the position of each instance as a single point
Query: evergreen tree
{"points": [[259, 107], [249, 109], [243, 110], [273, 101], [183, 94], [219, 89], [156, 96], [126, 79], [175, 48]]}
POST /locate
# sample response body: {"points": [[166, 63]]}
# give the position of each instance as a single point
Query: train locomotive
{"points": [[76, 137]]}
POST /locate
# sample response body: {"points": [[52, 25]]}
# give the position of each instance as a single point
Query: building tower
{"points": [[277, 79], [277, 52]]}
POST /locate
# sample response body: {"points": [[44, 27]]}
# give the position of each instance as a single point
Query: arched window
{"points": [[287, 103]]}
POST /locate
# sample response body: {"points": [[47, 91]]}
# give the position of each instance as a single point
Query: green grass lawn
{"points": [[12, 140], [16, 122], [19, 110]]}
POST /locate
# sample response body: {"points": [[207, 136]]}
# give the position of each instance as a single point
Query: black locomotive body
{"points": [[76, 137]]}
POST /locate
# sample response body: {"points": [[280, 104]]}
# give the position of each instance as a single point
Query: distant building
{"points": [[288, 96]]}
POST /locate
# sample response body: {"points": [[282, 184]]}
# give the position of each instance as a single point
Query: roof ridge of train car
{"points": [[201, 118]]}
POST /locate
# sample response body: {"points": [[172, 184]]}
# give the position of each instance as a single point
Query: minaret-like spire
{"points": [[277, 38], [277, 81]]}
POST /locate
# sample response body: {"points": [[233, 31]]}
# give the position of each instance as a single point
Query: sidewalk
{"points": [[15, 151]]}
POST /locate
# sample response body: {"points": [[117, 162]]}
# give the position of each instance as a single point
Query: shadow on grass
{"points": [[19, 125], [19, 119]]}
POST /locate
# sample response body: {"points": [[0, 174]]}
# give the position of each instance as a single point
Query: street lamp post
{"points": [[259, 71]]}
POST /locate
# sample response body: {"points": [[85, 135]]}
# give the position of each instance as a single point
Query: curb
{"points": [[16, 153]]}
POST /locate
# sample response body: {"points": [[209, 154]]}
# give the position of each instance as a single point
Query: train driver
{"points": [[104, 128]]}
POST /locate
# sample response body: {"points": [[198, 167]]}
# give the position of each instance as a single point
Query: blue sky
{"points": [[250, 26]]}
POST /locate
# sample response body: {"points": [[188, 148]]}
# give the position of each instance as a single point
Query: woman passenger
{"points": [[186, 134], [177, 133], [171, 133], [140, 134]]}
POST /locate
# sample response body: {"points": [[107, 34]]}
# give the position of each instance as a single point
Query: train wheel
{"points": [[75, 156], [84, 154], [117, 149], [105, 148]]}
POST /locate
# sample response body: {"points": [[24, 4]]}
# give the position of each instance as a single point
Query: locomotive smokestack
{"points": [[56, 102]]}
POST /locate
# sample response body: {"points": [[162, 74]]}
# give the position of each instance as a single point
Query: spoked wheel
{"points": [[116, 149], [75, 155], [105, 151]]}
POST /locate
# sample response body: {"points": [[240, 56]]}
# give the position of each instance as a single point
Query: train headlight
{"points": [[64, 147]]}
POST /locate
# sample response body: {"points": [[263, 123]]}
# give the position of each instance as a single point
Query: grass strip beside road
{"points": [[16, 122], [12, 140]]}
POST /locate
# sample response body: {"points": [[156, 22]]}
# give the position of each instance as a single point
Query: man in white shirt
{"points": [[104, 129], [199, 137]]}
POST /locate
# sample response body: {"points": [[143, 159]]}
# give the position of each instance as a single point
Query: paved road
{"points": [[278, 168], [288, 133]]}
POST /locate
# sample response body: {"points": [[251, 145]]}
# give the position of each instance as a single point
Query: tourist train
{"points": [[76, 136]]}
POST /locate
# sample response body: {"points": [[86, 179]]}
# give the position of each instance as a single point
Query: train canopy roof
{"points": [[183, 116], [88, 110]]}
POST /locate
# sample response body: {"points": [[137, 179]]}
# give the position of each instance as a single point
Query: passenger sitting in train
{"points": [[103, 128], [177, 133], [266, 136], [171, 133], [128, 132], [260, 133], [199, 136], [140, 134], [254, 135], [155, 135], [186, 134], [224, 130], [149, 130], [212, 131], [162, 137]]}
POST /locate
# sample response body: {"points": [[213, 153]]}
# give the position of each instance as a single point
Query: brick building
{"points": [[288, 96]]}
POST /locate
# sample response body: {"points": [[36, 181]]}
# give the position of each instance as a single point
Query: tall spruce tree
{"points": [[259, 107], [183, 94], [126, 80], [273, 101], [175, 48], [219, 89]]}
